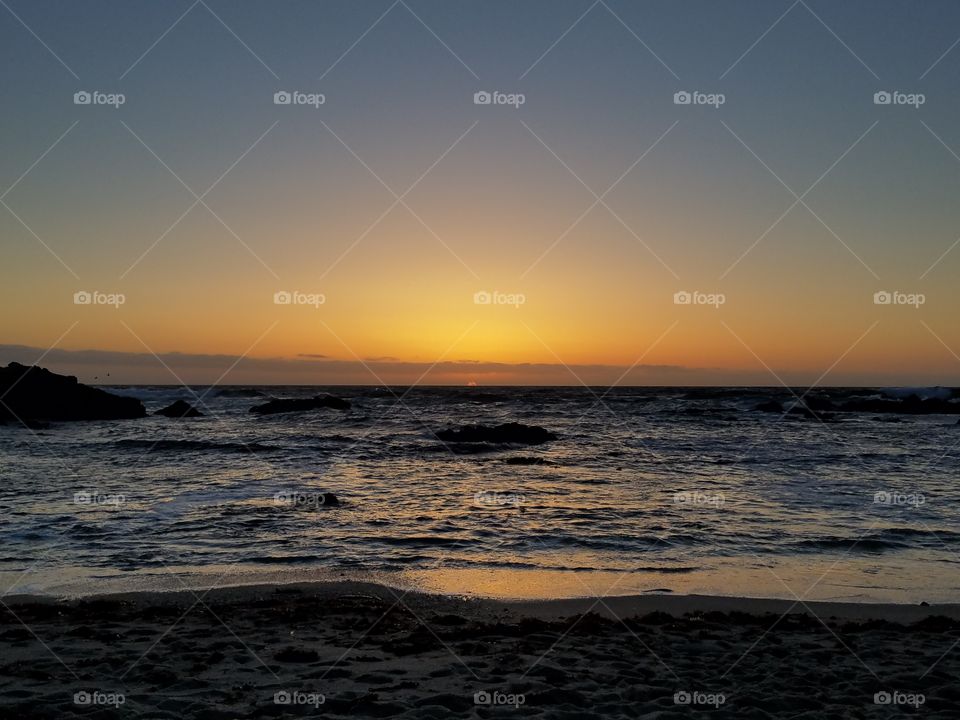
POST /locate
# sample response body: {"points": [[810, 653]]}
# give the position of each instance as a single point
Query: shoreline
{"points": [[815, 581], [480, 607]]}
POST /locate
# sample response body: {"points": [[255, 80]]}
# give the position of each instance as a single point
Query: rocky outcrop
{"points": [[179, 409], [506, 434], [34, 393], [910, 405]]}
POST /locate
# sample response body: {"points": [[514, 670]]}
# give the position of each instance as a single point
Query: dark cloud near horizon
{"points": [[310, 369], [313, 368]]}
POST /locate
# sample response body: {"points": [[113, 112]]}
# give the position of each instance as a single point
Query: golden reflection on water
{"points": [[523, 584]]}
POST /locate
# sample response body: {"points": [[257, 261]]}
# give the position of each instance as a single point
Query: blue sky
{"points": [[699, 207]]}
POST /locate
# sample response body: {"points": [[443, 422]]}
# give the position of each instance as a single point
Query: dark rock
{"points": [[910, 405], [769, 406], [525, 461], [179, 409], [311, 500], [282, 405], [38, 394], [512, 433], [330, 500]]}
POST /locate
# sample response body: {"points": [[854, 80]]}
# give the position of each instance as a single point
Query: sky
{"points": [[787, 225]]}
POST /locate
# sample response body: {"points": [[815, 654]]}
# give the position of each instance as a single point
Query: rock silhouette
{"points": [[35, 393], [910, 405], [506, 433], [179, 409], [282, 405]]}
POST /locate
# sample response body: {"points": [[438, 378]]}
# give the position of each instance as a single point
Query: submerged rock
{"points": [[506, 433], [769, 406], [330, 500], [179, 409], [35, 393], [282, 405], [309, 500]]}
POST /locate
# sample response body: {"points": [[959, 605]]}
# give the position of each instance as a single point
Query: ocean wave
{"points": [[887, 539], [238, 392], [425, 541], [193, 445]]}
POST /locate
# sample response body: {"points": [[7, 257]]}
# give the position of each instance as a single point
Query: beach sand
{"points": [[363, 650]]}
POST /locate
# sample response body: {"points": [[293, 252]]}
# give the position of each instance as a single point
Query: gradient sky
{"points": [[505, 203]]}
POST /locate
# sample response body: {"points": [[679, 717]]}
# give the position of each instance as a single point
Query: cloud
{"points": [[172, 368], [312, 368]]}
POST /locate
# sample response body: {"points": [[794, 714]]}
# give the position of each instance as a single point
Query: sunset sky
{"points": [[493, 198]]}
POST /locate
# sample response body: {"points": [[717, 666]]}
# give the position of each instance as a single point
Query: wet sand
{"points": [[363, 650]]}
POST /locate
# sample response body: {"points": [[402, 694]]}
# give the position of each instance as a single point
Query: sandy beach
{"points": [[367, 651]]}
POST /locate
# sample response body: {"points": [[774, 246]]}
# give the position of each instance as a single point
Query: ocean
{"points": [[684, 490]]}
